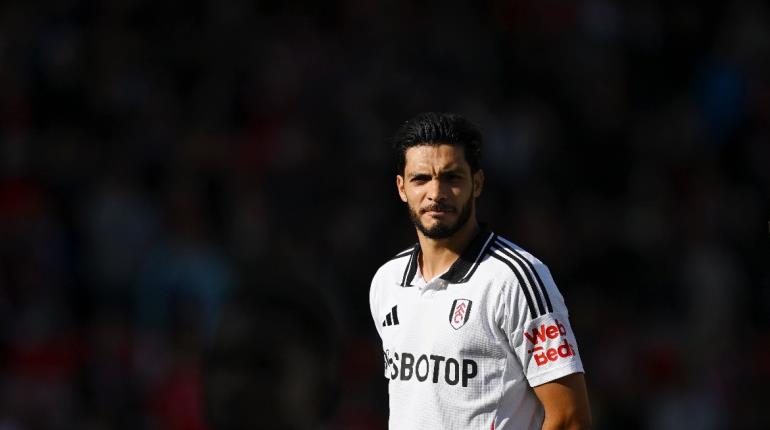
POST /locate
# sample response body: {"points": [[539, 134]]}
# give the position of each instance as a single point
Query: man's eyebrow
{"points": [[456, 169], [452, 169], [415, 174]]}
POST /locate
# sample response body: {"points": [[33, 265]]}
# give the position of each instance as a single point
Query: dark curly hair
{"points": [[432, 128]]}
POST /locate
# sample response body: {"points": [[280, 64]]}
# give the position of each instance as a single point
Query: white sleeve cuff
{"points": [[556, 373]]}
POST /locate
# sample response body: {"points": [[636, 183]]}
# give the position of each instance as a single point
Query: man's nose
{"points": [[437, 189]]}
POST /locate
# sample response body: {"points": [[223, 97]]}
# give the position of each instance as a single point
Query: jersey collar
{"points": [[462, 269]]}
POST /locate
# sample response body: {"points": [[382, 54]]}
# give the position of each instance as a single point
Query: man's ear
{"points": [[478, 182], [400, 187]]}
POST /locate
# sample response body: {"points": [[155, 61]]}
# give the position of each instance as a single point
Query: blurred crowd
{"points": [[194, 196]]}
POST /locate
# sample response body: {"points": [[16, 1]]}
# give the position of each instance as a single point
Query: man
{"points": [[475, 333]]}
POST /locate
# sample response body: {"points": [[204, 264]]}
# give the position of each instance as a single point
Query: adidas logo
{"points": [[391, 318]]}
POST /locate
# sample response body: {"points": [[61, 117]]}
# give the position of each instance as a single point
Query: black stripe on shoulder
{"points": [[524, 260], [411, 266], [406, 270], [401, 254], [523, 287], [530, 282], [411, 269]]}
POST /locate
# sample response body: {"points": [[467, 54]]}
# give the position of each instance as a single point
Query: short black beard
{"points": [[441, 231]]}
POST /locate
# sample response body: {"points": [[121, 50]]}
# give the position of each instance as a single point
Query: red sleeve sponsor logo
{"points": [[541, 337]]}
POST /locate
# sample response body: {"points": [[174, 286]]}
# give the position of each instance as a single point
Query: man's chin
{"points": [[438, 223], [438, 230]]}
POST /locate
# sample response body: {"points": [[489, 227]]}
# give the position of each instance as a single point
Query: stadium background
{"points": [[167, 166]]}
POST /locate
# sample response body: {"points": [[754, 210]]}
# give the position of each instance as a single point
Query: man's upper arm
{"points": [[565, 401], [543, 341]]}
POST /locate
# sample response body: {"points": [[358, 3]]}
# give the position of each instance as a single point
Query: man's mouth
{"points": [[437, 210]]}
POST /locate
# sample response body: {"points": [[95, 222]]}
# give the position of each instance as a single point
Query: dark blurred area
{"points": [[194, 196]]}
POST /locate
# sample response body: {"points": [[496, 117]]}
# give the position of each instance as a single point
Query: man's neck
{"points": [[437, 255]]}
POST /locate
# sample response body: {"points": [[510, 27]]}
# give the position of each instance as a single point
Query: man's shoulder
{"points": [[395, 265], [502, 243], [509, 256], [401, 254]]}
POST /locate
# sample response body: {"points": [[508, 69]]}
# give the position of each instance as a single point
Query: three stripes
{"points": [[391, 318], [534, 290]]}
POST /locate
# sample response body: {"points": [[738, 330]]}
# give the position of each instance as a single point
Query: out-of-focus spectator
{"points": [[272, 364]]}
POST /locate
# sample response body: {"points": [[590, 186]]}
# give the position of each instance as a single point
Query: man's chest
{"points": [[452, 320], [446, 336]]}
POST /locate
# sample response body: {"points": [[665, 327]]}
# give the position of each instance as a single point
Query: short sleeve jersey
{"points": [[463, 350]]}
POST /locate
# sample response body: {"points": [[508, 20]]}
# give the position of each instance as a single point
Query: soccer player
{"points": [[475, 333]]}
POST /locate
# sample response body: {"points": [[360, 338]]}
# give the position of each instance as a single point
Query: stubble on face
{"points": [[440, 230]]}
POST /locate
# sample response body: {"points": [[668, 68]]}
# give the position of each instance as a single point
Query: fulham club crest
{"points": [[460, 312]]}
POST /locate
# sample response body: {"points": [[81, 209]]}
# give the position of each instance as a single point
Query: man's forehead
{"points": [[444, 156]]}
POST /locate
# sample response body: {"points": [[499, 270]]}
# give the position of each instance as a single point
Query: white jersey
{"points": [[464, 350]]}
